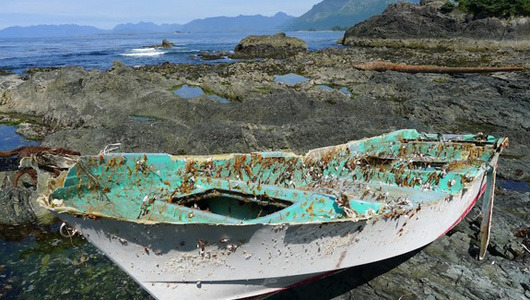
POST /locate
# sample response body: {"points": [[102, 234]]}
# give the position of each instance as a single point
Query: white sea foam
{"points": [[141, 52], [187, 51]]}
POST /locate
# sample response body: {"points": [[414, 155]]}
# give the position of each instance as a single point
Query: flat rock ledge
{"points": [[269, 46]]}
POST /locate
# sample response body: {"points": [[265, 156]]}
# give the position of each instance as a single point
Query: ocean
{"points": [[35, 261], [100, 51]]}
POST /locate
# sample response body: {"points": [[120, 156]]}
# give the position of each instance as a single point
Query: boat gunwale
{"points": [[381, 214], [496, 143]]}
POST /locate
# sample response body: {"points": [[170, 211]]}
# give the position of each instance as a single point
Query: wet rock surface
{"points": [[89, 109]]}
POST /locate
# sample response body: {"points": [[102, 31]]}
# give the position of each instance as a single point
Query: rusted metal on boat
{"points": [[42, 156], [240, 225]]}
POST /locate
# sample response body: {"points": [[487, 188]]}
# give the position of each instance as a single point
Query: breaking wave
{"points": [[144, 52]]}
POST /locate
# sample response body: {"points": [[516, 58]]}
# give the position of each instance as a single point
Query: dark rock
{"points": [[5, 72], [214, 55], [15, 206], [407, 20], [165, 44], [269, 46], [40, 69], [18, 204]]}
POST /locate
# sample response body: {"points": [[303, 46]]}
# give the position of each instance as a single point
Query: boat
{"points": [[233, 226]]}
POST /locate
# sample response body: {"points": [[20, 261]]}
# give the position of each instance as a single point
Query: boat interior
{"points": [[358, 180]]}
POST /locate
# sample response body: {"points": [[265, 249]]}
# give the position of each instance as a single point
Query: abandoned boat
{"points": [[240, 225]]}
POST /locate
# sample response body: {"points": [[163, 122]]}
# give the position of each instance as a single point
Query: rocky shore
{"points": [[86, 110], [428, 25]]}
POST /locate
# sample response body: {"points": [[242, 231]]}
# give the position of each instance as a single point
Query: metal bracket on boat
{"points": [[67, 231], [489, 195], [487, 206]]}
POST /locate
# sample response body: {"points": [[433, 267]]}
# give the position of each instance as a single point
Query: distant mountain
{"points": [[239, 23], [338, 14], [145, 27], [215, 24], [48, 31]]}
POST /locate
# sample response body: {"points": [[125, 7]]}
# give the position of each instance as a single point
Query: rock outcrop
{"points": [[165, 44], [269, 46], [407, 20]]}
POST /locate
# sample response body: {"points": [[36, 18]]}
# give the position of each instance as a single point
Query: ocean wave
{"points": [[186, 51], [141, 52]]}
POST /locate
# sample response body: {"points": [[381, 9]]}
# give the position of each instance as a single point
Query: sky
{"points": [[106, 14]]}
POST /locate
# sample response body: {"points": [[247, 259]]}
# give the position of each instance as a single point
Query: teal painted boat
{"points": [[239, 225]]}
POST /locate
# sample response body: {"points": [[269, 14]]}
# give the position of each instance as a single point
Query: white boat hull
{"points": [[202, 261]]}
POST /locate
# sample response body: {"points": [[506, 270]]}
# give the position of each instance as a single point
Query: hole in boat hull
{"points": [[233, 204]]}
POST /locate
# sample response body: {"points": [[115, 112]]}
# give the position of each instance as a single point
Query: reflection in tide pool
{"points": [[219, 98], [346, 91], [518, 186], [290, 79], [142, 119], [188, 92], [9, 139], [325, 87], [343, 90]]}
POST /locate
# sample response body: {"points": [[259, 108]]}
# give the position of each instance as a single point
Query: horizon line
{"points": [[138, 22]]}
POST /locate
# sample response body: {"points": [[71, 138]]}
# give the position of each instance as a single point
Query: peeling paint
{"points": [[189, 219]]}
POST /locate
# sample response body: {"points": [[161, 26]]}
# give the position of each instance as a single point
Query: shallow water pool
{"points": [[188, 92], [290, 79], [9, 139]]}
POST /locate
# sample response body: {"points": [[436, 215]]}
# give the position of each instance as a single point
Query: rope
{"points": [[67, 231], [110, 148]]}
